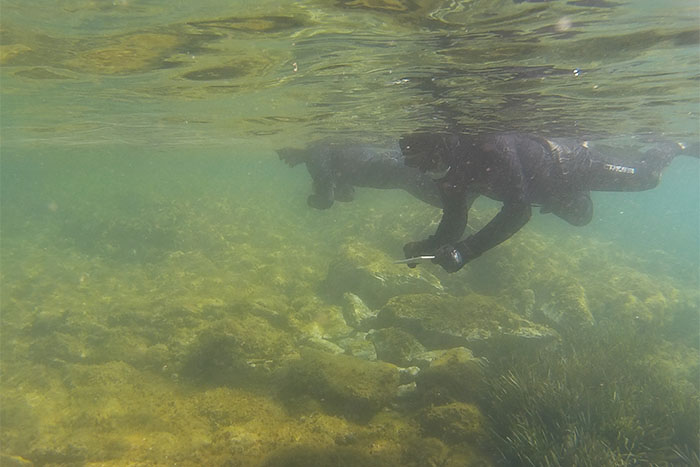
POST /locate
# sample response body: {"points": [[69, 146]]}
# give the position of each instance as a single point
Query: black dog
{"points": [[337, 166]]}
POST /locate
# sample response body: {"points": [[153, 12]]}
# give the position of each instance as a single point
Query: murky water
{"points": [[163, 280]]}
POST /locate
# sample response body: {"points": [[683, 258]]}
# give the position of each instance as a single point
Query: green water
{"points": [[163, 278]]}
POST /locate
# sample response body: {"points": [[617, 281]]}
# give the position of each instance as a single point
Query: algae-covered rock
{"points": [[629, 295], [358, 346], [325, 345], [562, 303], [394, 345], [233, 350], [356, 313], [371, 274], [312, 317], [686, 320], [20, 424], [321, 456], [526, 300], [509, 267], [230, 406], [7, 460], [473, 321], [58, 348], [454, 375], [353, 387], [454, 423], [70, 454]]}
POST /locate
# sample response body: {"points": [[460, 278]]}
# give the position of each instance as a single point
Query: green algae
{"points": [[454, 422], [626, 407], [156, 298], [456, 375], [153, 318], [474, 320], [192, 353], [356, 387], [394, 345]]}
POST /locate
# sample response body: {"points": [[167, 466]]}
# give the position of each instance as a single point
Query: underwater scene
{"points": [[191, 274]]}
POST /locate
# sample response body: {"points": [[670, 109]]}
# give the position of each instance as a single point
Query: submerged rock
{"points": [[313, 455], [453, 375], [7, 460], [324, 345], [371, 274], [233, 351], [394, 345], [346, 385], [357, 315], [313, 317], [454, 423], [563, 304], [358, 346], [473, 321]]}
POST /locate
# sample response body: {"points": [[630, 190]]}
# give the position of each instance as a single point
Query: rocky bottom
{"points": [[208, 333]]}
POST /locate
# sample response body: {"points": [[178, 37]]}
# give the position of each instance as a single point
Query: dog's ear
{"points": [[292, 156]]}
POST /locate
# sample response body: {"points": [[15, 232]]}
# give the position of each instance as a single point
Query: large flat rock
{"points": [[474, 321]]}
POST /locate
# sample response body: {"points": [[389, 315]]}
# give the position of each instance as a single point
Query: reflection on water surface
{"points": [[586, 68]]}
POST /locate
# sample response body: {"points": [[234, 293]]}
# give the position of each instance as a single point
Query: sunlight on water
{"points": [[167, 297]]}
